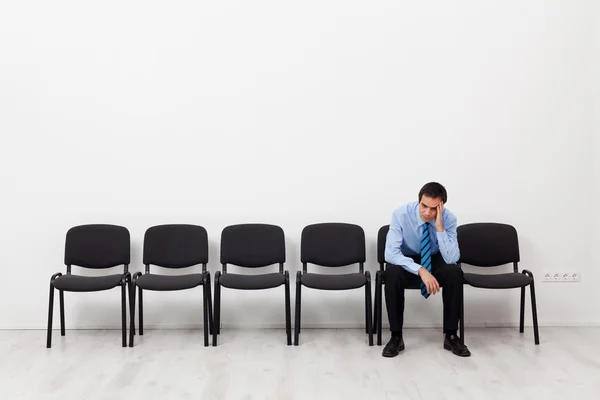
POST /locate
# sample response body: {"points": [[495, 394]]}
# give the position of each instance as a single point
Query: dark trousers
{"points": [[449, 276]]}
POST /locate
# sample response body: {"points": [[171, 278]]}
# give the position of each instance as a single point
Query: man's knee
{"points": [[392, 273], [454, 274]]}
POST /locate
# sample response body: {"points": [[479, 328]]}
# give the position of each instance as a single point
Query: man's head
{"points": [[430, 197]]}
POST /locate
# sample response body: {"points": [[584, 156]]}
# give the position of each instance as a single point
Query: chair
{"points": [[379, 281], [252, 246], [174, 247], [333, 245], [491, 245], [93, 247]]}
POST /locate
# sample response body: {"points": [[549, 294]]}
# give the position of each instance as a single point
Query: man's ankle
{"points": [[449, 334]]}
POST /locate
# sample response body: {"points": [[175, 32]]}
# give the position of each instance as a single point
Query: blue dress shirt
{"points": [[404, 237]]}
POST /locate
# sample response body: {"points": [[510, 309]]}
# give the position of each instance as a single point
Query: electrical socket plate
{"points": [[561, 276]]}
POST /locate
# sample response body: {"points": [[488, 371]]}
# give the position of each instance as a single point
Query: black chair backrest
{"points": [[381, 238], [333, 244], [176, 246], [488, 244], [97, 246], [252, 245]]}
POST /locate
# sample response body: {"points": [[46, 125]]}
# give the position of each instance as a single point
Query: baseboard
{"points": [[305, 325]]}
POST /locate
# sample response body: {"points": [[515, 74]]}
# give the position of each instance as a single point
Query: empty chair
{"points": [[333, 245], [252, 246], [92, 247], [491, 245], [173, 247], [379, 281]]}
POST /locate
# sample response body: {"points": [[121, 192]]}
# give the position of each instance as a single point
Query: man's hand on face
{"points": [[439, 226]]}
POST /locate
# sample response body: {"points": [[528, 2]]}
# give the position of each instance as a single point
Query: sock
{"points": [[450, 333], [397, 334]]}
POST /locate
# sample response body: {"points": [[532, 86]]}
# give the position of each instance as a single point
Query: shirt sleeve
{"points": [[448, 241], [393, 251]]}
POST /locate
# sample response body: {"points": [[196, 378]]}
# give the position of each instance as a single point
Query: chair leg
{"points": [[379, 322], [131, 314], [534, 312], [141, 327], [219, 310], [462, 323], [205, 312], [132, 287], [462, 319], [374, 325], [211, 321], [379, 309], [300, 311], [50, 310], [369, 311], [288, 316], [367, 323], [61, 295], [217, 323], [533, 307], [522, 315], [124, 314], [297, 314]]}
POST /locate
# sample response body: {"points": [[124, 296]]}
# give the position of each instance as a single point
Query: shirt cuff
{"points": [[414, 268]]}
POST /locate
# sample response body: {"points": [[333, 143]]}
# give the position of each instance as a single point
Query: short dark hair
{"points": [[434, 190]]}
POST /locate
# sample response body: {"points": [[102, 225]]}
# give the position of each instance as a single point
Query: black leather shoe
{"points": [[393, 347], [453, 343]]}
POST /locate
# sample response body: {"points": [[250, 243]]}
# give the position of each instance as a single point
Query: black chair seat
{"points": [[498, 281], [78, 283], [334, 282], [251, 282], [169, 282]]}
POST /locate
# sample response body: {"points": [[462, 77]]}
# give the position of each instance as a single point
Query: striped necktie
{"points": [[425, 256]]}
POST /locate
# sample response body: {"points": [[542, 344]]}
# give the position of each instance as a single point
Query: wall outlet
{"points": [[561, 276], [557, 277], [547, 276], [575, 277]]}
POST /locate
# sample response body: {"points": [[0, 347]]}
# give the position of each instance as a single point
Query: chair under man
{"points": [[380, 281]]}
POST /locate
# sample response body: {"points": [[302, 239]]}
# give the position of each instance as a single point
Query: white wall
{"points": [[142, 113]]}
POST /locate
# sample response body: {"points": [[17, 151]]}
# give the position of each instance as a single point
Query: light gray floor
{"points": [[328, 364]]}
